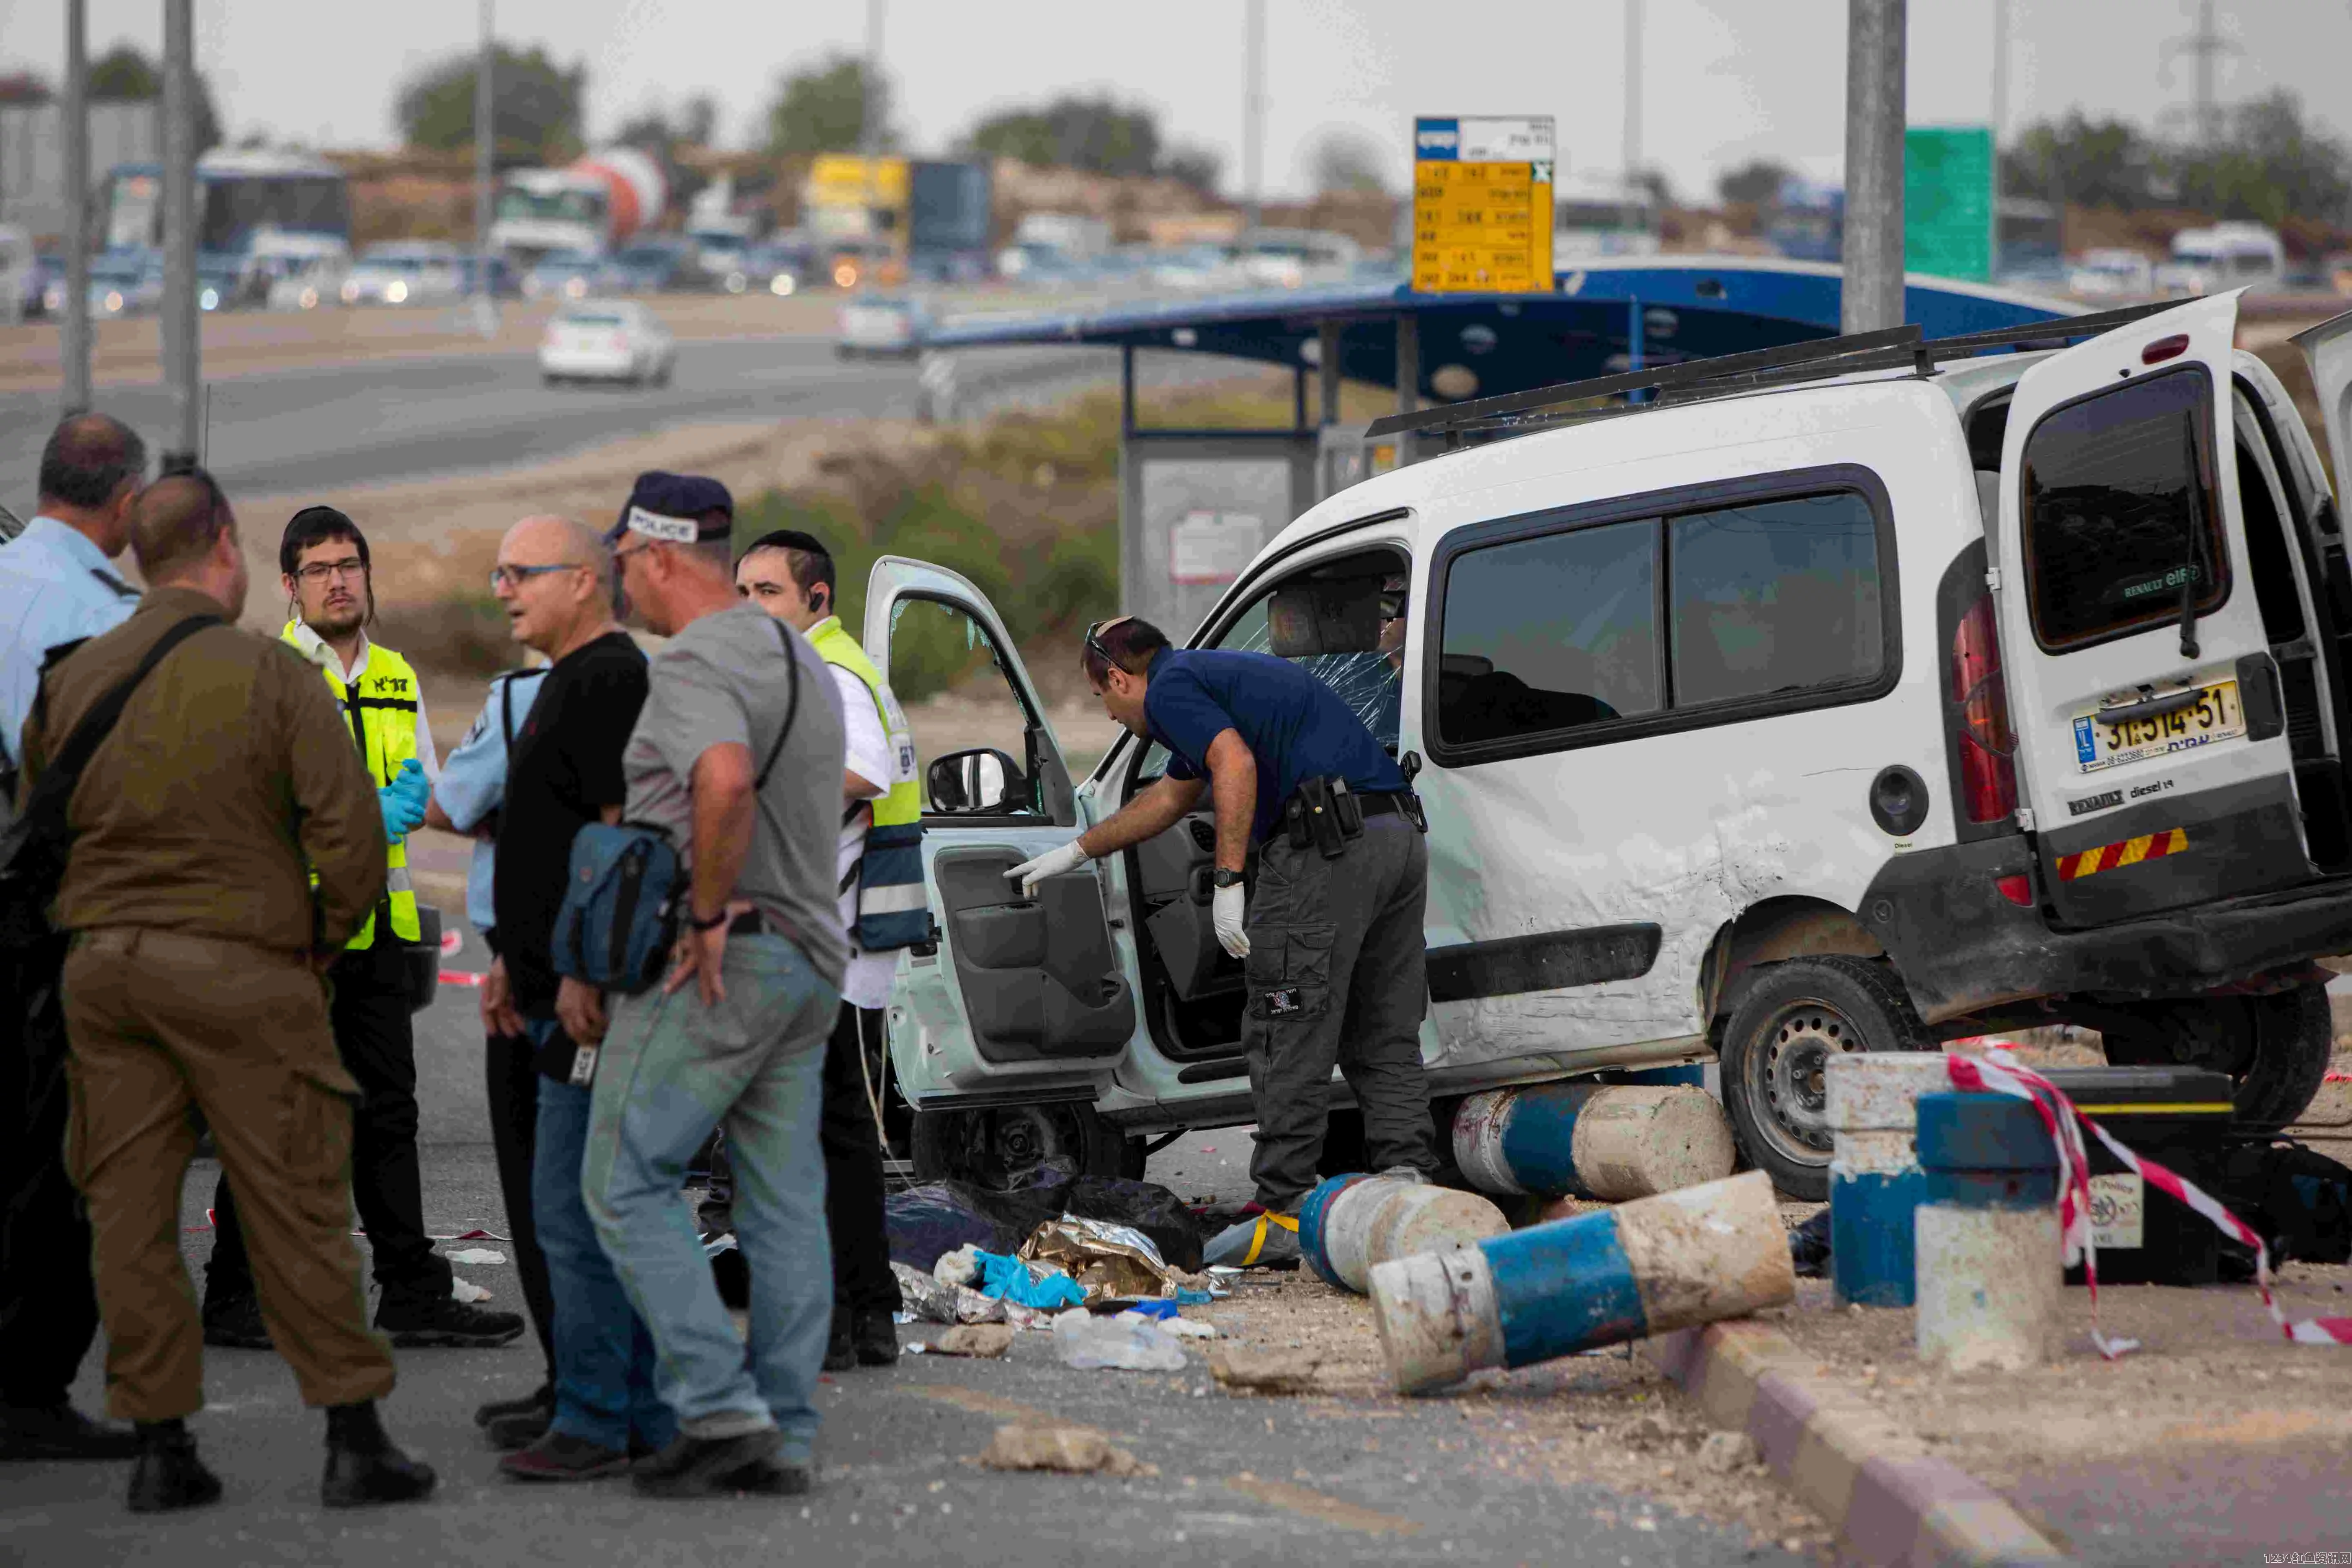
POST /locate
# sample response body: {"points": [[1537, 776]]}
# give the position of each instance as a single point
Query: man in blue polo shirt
{"points": [[1332, 944]]}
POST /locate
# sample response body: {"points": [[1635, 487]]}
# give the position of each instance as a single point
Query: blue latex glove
{"points": [[1009, 1280], [403, 800]]}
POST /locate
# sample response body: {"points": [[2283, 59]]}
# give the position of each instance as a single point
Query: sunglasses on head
{"points": [[1094, 639]]}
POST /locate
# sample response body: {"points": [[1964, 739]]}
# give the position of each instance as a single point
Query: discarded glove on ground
{"points": [[1072, 1450]]}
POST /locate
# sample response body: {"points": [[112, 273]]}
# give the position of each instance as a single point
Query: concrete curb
{"points": [[1837, 1452]]}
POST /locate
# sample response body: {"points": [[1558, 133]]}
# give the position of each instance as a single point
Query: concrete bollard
{"points": [[1990, 1273], [1612, 1142], [1350, 1223], [1874, 1180], [1715, 1251]]}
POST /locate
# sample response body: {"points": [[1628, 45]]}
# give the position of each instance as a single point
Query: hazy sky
{"points": [[1724, 80]]}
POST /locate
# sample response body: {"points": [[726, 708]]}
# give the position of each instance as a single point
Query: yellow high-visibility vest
{"points": [[382, 712]]}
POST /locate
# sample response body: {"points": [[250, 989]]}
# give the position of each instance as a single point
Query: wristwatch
{"points": [[1224, 879]]}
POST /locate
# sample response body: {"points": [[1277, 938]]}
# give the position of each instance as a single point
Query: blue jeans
{"points": [[603, 1356], [673, 1070]]}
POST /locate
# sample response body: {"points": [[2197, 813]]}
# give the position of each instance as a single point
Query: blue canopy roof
{"points": [[1689, 307]]}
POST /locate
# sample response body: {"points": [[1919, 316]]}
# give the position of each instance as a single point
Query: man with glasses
{"points": [[1329, 928], [323, 561], [554, 579]]}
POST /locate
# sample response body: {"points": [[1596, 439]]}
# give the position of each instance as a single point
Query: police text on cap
{"points": [[654, 525]]}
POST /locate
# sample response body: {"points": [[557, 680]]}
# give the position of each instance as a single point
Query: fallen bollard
{"points": [[1874, 1180], [1988, 1249], [1612, 1142], [1715, 1251], [1350, 1223]]}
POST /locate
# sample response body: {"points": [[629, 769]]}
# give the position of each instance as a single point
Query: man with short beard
{"points": [[323, 560]]}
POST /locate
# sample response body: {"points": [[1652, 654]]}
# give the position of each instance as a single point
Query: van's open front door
{"points": [[1022, 993], [2151, 729]]}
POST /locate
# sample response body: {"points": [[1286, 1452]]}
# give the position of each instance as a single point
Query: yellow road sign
{"points": [[1482, 212]]}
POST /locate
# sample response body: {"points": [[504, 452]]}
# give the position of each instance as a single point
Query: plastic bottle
{"points": [[1083, 1340]]}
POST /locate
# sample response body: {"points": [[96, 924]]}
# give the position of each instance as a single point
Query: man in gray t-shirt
{"points": [[735, 1036]]}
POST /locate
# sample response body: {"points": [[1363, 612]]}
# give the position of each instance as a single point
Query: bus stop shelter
{"points": [[1195, 505]]}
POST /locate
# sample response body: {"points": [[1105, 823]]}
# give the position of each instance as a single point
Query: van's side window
{"points": [[1774, 596], [2120, 509], [1551, 633]]}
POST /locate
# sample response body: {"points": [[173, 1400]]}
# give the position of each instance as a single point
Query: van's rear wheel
{"points": [[1777, 1046], [2275, 1047], [999, 1146]]}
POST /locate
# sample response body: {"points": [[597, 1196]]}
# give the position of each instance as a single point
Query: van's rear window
{"points": [[2121, 511]]}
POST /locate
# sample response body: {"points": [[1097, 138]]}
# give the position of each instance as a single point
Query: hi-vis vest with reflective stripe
{"points": [[892, 910], [381, 712]]}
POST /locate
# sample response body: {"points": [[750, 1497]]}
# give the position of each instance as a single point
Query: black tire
{"points": [[2276, 1047], [1791, 1016], [997, 1146]]}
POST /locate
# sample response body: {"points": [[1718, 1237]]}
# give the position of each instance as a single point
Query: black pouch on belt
{"points": [[1293, 823], [1322, 817], [1350, 809]]}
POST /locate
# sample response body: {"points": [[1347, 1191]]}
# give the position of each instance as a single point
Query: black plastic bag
{"points": [[1808, 1247], [926, 1223], [2297, 1200], [1146, 1206]]}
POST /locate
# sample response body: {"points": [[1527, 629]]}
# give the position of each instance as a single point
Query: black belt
{"points": [[1383, 805], [749, 923]]}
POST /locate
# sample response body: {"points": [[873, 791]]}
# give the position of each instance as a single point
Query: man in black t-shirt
{"points": [[554, 578]]}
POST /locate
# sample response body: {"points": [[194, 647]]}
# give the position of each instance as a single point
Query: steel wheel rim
{"points": [[1788, 1072]]}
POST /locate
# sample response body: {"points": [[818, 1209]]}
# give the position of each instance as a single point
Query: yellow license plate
{"points": [[2213, 713]]}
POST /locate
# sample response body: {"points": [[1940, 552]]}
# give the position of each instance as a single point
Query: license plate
{"points": [[2215, 715]]}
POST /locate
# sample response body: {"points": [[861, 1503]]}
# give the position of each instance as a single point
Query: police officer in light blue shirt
{"points": [[58, 581], [57, 585]]}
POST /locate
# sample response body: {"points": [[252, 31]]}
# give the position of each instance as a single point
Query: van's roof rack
{"points": [[1816, 359]]}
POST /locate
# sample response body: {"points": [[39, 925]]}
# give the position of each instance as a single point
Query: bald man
{"points": [[554, 578]]}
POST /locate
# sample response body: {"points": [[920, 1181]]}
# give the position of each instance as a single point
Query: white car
{"points": [[887, 325], [621, 341], [2112, 275], [406, 272]]}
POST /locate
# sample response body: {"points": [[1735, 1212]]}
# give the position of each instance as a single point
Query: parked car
{"points": [[565, 275], [616, 340], [405, 272], [1847, 715], [881, 326], [651, 265], [2112, 274]]}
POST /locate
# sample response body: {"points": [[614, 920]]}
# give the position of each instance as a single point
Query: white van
{"points": [[1942, 692], [2226, 256]]}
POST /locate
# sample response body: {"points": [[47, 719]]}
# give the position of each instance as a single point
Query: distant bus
{"points": [[258, 213]]}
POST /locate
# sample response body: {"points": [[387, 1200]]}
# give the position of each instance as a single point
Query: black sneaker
{"points": [[61, 1432], [560, 1457], [518, 1429], [712, 1466], [840, 1348], [233, 1323], [542, 1399], [876, 1336], [445, 1322]]}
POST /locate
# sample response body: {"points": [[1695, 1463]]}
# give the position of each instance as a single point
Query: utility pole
{"points": [[486, 102], [2000, 121], [73, 335], [2209, 47], [1632, 144], [1872, 296], [869, 136], [1253, 107], [182, 371]]}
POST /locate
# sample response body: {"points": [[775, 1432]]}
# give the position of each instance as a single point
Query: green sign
{"points": [[1948, 181]]}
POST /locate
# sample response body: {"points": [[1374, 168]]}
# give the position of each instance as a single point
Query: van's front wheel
{"points": [[997, 1147], [1776, 1048]]}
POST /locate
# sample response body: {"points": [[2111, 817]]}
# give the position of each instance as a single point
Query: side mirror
{"points": [[979, 782]]}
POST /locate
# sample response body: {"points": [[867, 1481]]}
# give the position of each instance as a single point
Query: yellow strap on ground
{"points": [[1257, 1235]]}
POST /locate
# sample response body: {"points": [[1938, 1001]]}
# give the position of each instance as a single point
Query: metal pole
{"points": [[486, 131], [1326, 365], [182, 371], [1253, 109], [73, 338], [1632, 147], [1408, 379], [2000, 123], [1872, 254], [869, 132]]}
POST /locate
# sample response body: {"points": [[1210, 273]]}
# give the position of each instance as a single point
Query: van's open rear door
{"points": [[2147, 706]]}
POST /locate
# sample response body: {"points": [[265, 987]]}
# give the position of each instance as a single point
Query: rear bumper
{"points": [[1961, 947]]}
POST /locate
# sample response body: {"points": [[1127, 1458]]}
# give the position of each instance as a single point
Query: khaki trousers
{"points": [[158, 1022]]}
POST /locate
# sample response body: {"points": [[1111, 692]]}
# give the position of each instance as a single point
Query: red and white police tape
{"points": [[2000, 1073]]}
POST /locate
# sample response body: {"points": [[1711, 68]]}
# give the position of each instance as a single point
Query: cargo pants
{"points": [[1338, 974], [158, 1022]]}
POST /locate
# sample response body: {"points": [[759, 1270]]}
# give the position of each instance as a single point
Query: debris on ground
{"points": [[1728, 1453], [1129, 1343], [1072, 1450], [984, 1341], [927, 1222], [1266, 1371], [1106, 1260], [928, 1300]]}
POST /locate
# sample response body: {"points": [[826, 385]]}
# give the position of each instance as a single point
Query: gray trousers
{"points": [[1338, 974]]}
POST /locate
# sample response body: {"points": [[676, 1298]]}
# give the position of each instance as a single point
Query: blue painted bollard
{"points": [[1874, 1180], [1350, 1223], [1612, 1142], [1990, 1272], [1715, 1251]]}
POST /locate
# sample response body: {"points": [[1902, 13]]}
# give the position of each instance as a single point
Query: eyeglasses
{"points": [[1094, 641], [620, 556], [318, 572], [513, 577]]}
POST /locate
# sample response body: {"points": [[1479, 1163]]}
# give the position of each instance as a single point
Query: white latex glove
{"points": [[1226, 910], [1052, 863]]}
